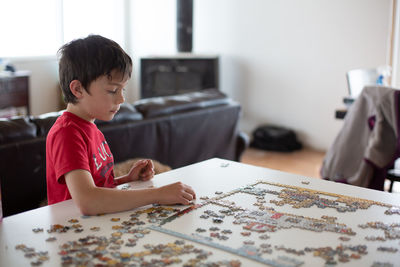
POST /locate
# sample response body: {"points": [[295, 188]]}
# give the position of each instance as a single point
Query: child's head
{"points": [[89, 58]]}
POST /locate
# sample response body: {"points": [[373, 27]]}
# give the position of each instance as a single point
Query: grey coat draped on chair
{"points": [[368, 143]]}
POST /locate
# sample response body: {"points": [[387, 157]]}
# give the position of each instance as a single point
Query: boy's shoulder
{"points": [[69, 124]]}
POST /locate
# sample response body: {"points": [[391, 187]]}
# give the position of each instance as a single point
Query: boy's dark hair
{"points": [[87, 59]]}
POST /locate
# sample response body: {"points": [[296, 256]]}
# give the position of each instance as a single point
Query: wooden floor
{"points": [[305, 162]]}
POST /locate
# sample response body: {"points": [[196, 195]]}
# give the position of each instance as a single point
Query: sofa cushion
{"points": [[16, 129], [126, 113], [45, 121], [161, 106]]}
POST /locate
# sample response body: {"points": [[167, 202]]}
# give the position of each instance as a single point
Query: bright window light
{"points": [[39, 28], [29, 28], [104, 17]]}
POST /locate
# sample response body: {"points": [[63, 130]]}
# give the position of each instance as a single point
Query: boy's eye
{"points": [[113, 91]]}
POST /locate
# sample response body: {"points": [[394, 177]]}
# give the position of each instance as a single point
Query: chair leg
{"points": [[391, 186]]}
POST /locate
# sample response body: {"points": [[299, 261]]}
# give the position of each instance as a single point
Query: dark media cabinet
{"points": [[14, 90], [183, 73]]}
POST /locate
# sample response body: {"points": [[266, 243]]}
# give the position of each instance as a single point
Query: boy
{"points": [[93, 73]]}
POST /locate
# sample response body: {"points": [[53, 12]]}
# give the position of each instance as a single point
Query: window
{"points": [[104, 17], [39, 28], [28, 28]]}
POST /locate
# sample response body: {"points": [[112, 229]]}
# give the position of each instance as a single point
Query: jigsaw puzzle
{"points": [[270, 223]]}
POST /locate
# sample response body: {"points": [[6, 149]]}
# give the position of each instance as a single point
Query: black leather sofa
{"points": [[175, 130]]}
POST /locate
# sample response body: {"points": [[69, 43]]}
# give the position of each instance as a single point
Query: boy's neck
{"points": [[74, 109]]}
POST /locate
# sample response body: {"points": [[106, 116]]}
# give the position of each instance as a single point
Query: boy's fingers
{"points": [[188, 196], [141, 162], [190, 191], [146, 176], [150, 162], [149, 167], [147, 172]]}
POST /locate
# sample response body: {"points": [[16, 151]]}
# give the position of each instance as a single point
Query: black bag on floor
{"points": [[275, 138]]}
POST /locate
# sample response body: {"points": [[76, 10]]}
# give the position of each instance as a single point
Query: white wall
{"points": [[153, 27], [284, 61], [396, 50], [44, 94]]}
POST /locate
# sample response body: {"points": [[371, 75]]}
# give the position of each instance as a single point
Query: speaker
{"points": [[184, 23]]}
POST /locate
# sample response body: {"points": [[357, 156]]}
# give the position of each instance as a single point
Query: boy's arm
{"points": [[92, 200]]}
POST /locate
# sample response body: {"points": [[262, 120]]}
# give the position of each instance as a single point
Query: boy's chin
{"points": [[106, 118]]}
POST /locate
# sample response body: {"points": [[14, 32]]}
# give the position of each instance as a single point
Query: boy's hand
{"points": [[176, 193], [142, 170]]}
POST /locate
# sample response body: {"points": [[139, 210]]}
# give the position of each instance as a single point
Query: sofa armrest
{"points": [[242, 143]]}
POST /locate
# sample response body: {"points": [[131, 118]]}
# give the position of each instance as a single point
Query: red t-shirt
{"points": [[74, 143]]}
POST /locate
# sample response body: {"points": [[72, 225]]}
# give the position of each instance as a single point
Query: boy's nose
{"points": [[121, 98]]}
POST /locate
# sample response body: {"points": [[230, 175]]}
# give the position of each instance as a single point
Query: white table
{"points": [[207, 178]]}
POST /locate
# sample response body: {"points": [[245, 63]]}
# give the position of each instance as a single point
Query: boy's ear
{"points": [[76, 88]]}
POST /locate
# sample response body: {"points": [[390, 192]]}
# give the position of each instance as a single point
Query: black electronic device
{"points": [[184, 24], [161, 76]]}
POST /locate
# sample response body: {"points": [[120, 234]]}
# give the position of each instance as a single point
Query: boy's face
{"points": [[105, 96]]}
